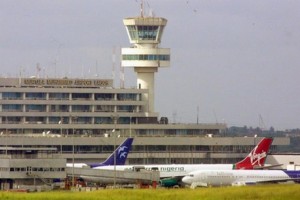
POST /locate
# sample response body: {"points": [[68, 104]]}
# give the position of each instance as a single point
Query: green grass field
{"points": [[266, 192]]}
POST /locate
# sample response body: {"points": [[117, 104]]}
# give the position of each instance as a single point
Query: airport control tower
{"points": [[145, 55]]}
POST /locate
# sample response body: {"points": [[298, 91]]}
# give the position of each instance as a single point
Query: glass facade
{"points": [[146, 57], [35, 120], [59, 108], [11, 95], [35, 108], [54, 120], [104, 96], [127, 97], [63, 109], [81, 108], [104, 108], [58, 96], [103, 120], [81, 96], [12, 108], [11, 120], [35, 96]]}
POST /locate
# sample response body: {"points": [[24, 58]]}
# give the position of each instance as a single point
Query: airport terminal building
{"points": [[84, 119], [82, 113]]}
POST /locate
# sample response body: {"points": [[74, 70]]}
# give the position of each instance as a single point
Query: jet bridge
{"points": [[109, 177]]}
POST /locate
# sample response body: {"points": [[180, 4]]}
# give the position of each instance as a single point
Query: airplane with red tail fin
{"points": [[171, 175], [257, 157]]}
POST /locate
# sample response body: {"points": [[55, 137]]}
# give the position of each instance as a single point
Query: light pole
{"points": [[73, 177], [60, 123], [114, 132], [130, 127], [115, 119]]}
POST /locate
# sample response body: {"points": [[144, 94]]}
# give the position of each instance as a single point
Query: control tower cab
{"points": [[145, 56]]}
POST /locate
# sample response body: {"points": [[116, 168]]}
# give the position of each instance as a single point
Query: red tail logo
{"points": [[257, 156]]}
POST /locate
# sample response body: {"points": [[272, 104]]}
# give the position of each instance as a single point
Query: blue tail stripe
{"points": [[293, 174]]}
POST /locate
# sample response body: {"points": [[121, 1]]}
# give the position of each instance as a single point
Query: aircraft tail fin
{"points": [[257, 156], [121, 154]]}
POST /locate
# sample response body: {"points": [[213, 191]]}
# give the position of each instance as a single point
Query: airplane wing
{"points": [[265, 181], [267, 166]]}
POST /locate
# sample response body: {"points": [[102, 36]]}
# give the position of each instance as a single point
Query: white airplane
{"points": [[206, 178], [121, 155], [171, 175]]}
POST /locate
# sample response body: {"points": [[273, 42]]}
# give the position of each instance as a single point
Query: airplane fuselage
{"points": [[173, 170], [237, 177]]}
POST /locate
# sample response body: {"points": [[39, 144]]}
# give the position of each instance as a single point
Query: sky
{"points": [[234, 62]]}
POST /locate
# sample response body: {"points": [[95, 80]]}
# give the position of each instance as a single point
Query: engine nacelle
{"points": [[169, 182]]}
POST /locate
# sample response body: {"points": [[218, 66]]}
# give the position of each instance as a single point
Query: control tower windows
{"points": [[132, 32], [143, 32], [146, 57], [147, 32]]}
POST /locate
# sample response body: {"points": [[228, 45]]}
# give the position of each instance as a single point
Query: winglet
{"points": [[257, 156], [121, 155]]}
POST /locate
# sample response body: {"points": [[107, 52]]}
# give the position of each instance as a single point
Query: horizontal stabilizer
{"points": [[267, 166]]}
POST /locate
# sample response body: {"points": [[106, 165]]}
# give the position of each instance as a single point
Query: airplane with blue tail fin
{"points": [[121, 154]]}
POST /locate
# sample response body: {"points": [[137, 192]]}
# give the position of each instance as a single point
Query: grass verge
{"points": [[266, 192]]}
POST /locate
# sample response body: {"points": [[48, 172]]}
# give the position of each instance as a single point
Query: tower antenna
{"points": [[38, 70], [262, 125], [97, 75], [113, 74], [197, 114], [122, 74], [142, 8]]}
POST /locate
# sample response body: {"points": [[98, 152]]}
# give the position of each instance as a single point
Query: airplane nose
{"points": [[186, 180]]}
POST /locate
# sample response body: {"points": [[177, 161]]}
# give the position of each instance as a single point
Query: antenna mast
{"points": [[38, 69], [262, 125], [122, 76], [113, 64], [142, 8], [197, 114]]}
